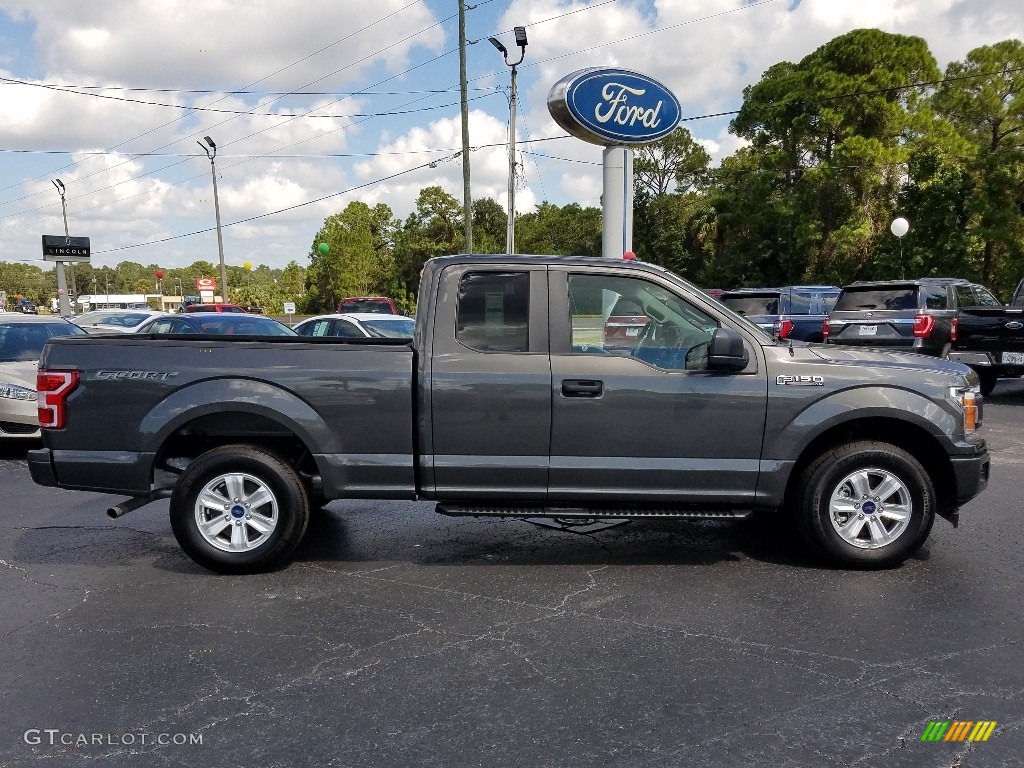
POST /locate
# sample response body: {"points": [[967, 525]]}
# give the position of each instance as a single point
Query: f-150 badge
{"points": [[806, 381]]}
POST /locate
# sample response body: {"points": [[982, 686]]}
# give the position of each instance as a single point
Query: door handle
{"points": [[582, 388]]}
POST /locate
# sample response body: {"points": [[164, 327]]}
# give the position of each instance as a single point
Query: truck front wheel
{"points": [[239, 509], [866, 504]]}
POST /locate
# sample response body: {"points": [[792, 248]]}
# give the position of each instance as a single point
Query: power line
{"points": [[257, 114]]}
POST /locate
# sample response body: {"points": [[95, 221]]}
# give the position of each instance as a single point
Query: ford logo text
{"points": [[613, 106]]}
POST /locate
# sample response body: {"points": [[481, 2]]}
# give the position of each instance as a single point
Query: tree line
{"points": [[863, 130]]}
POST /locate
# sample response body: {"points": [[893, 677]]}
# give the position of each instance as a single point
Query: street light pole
{"points": [[62, 283], [216, 208], [510, 235]]}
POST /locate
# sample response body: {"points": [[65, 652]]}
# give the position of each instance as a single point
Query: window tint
{"points": [[494, 311], [935, 297], [674, 334], [390, 329], [985, 298], [964, 296], [767, 304], [895, 298], [315, 328], [347, 330], [160, 326]]}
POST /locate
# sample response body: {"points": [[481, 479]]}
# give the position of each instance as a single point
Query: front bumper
{"points": [[971, 475]]}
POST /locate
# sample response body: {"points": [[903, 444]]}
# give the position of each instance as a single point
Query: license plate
{"points": [[1013, 358], [632, 331], [868, 330]]}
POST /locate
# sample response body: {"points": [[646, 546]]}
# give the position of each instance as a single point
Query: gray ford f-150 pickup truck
{"points": [[507, 403]]}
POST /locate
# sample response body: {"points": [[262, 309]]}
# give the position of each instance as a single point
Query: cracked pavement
{"points": [[402, 637]]}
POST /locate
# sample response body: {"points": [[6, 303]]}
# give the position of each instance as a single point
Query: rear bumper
{"points": [[41, 468], [986, 361], [124, 472]]}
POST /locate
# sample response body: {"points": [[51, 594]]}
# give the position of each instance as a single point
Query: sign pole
{"points": [[617, 202]]}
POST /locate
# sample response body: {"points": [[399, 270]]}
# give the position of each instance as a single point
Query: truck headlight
{"points": [[968, 398]]}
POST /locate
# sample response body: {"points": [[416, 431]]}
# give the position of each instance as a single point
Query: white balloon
{"points": [[899, 227]]}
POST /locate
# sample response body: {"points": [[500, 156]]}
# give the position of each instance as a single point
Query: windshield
{"points": [[24, 341], [390, 329]]}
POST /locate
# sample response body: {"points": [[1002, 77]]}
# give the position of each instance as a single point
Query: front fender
{"points": [[787, 438]]}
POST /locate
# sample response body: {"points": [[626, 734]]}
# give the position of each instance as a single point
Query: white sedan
{"points": [[358, 325], [114, 320], [21, 343]]}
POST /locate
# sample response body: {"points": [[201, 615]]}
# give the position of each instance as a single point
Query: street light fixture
{"points": [[520, 32], [216, 208]]}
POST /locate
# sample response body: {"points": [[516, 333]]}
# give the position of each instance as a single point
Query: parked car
{"points": [[624, 325], [908, 315], [503, 406], [989, 336], [358, 325], [218, 307], [28, 308], [115, 320], [215, 323], [377, 304], [21, 342], [791, 312]]}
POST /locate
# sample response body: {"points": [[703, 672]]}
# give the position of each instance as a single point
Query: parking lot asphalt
{"points": [[399, 637]]}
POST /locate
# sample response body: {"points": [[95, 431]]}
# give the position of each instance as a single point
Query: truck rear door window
{"points": [[494, 311], [767, 304]]}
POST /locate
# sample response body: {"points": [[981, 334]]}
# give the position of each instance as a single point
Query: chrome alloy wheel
{"points": [[870, 508], [236, 512]]}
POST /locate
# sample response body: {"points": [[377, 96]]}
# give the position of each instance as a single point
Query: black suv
{"points": [[905, 315]]}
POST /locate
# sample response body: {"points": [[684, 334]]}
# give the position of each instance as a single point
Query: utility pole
{"points": [[216, 208], [510, 235], [467, 198]]}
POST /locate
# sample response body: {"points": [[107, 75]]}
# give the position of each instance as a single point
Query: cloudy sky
{"points": [[315, 104]]}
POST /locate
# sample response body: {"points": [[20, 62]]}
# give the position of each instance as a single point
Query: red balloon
{"points": [[159, 274], [629, 255]]}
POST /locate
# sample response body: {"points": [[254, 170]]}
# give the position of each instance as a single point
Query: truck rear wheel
{"points": [[866, 504], [239, 509]]}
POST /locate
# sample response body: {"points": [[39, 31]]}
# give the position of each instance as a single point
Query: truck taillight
{"points": [[954, 326], [825, 328], [923, 326], [52, 389], [783, 328]]}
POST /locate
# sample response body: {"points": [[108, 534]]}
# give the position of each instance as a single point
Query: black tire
{"points": [[831, 477], [988, 381], [277, 496]]}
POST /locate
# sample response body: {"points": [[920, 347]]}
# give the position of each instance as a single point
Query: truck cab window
{"points": [[640, 319], [494, 311]]}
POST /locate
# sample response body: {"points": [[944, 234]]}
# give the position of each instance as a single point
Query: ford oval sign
{"points": [[613, 106]]}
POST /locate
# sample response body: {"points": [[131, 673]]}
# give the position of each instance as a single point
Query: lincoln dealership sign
{"points": [[64, 248], [613, 107]]}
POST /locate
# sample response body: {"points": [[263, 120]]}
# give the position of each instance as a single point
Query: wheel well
{"points": [[915, 440], [213, 430]]}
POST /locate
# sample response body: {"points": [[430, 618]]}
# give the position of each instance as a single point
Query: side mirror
{"points": [[727, 352]]}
